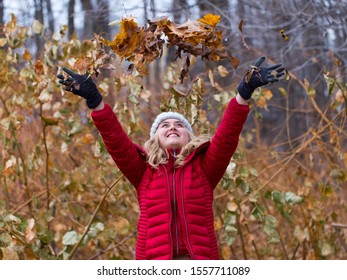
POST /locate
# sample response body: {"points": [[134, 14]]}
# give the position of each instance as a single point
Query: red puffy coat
{"points": [[176, 214]]}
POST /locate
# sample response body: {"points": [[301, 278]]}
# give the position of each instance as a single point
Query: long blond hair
{"points": [[157, 155]]}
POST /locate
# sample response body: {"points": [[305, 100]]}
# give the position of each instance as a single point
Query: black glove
{"points": [[82, 85], [259, 76]]}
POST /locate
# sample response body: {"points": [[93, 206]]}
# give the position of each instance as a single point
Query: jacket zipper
{"points": [[175, 204], [184, 218], [168, 186]]}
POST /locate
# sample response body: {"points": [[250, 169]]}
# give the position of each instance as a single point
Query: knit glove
{"points": [[82, 85], [259, 76]]}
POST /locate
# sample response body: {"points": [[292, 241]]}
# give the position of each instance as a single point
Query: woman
{"points": [[175, 173]]}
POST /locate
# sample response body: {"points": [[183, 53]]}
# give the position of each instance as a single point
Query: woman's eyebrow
{"points": [[166, 122]]}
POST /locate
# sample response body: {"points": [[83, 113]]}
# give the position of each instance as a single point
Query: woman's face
{"points": [[172, 134]]}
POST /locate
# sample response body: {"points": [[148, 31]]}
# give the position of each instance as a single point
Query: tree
{"points": [[39, 16], [71, 18], [2, 12], [102, 18], [88, 18], [50, 16]]}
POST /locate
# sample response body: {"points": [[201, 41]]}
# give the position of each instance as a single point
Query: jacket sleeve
{"points": [[123, 151], [224, 143]]}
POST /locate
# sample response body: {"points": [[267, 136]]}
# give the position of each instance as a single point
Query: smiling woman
{"points": [[172, 134], [175, 173]]}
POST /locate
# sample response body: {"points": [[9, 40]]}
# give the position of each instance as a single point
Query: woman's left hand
{"points": [[259, 76]]}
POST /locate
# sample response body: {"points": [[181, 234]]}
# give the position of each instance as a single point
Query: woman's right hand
{"points": [[82, 85]]}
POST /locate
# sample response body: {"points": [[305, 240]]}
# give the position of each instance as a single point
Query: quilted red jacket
{"points": [[175, 202]]}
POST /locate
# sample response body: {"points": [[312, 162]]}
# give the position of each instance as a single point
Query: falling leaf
{"points": [[242, 36], [210, 19], [142, 45], [11, 26], [39, 67], [234, 61], [223, 72], [37, 27], [267, 93], [83, 64], [261, 102], [284, 36], [27, 55], [241, 25], [283, 91], [211, 77], [114, 23]]}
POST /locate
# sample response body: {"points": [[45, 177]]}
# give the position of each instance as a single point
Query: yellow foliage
{"points": [[210, 19]]}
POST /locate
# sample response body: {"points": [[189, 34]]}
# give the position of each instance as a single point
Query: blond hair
{"points": [[157, 155]]}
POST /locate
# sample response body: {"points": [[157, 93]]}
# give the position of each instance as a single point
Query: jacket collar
{"points": [[198, 151]]}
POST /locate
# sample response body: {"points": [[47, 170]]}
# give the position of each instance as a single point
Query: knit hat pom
{"points": [[169, 115]]}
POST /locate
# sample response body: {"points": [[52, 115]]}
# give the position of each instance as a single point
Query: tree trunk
{"points": [[2, 12], [102, 18], [71, 18], [39, 16], [50, 16], [89, 19]]}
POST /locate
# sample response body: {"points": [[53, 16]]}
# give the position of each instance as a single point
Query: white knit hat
{"points": [[169, 115]]}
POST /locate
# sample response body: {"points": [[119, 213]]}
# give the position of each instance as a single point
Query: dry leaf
{"points": [[30, 231], [210, 19], [210, 76], [9, 253], [3, 42], [87, 139], [339, 96], [140, 46], [241, 25], [232, 206], [37, 27], [267, 93], [27, 55], [284, 36], [234, 61], [11, 26], [261, 102], [223, 72], [83, 64], [39, 67]]}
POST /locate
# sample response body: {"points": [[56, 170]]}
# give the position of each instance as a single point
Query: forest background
{"points": [[284, 193]]}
